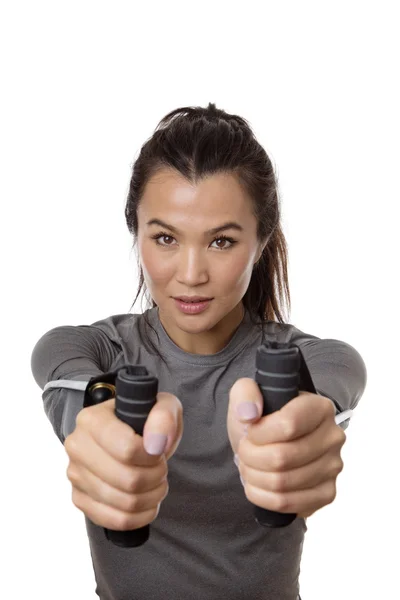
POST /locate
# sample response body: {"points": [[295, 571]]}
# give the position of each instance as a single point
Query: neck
{"points": [[209, 341]]}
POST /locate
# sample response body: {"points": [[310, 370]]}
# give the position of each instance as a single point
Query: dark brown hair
{"points": [[198, 142]]}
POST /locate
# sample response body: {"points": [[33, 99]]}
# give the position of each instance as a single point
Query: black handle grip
{"points": [[135, 395], [277, 374]]}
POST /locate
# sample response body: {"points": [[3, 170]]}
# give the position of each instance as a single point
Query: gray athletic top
{"points": [[205, 542]]}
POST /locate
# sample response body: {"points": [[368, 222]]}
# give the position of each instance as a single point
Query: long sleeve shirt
{"points": [[205, 542]]}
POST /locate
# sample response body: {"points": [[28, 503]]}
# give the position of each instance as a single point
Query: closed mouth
{"points": [[193, 301]]}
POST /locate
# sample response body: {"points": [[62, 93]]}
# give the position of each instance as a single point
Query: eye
{"points": [[163, 234], [224, 238]]}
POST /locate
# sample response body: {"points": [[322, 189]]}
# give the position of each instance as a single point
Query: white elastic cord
{"points": [[66, 383], [343, 416]]}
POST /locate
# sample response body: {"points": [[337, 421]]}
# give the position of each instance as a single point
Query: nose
{"points": [[192, 267]]}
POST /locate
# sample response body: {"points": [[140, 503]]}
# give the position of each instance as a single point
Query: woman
{"points": [[203, 209]]}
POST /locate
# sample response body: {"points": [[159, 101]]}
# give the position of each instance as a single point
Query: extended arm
{"points": [[74, 353], [337, 369]]}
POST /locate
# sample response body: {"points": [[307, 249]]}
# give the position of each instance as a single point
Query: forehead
{"points": [[213, 198]]}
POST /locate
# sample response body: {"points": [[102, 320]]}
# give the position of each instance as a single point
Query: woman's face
{"points": [[188, 260]]}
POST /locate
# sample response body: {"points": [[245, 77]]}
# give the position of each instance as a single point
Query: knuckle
{"points": [[330, 408], [82, 416], [164, 470], [67, 442], [104, 493], [281, 503], [155, 513], [76, 498], [132, 481], [70, 445], [279, 459], [330, 493], [132, 504], [338, 466], [166, 490], [123, 522], [72, 474], [279, 481], [127, 450], [289, 427], [339, 438]]}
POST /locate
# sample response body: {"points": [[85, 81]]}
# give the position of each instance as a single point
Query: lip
{"points": [[192, 298], [192, 308]]}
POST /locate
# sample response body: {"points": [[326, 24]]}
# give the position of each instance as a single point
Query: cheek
{"points": [[238, 273], [154, 269]]}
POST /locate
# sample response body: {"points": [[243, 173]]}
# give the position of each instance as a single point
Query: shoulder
{"points": [[129, 331], [118, 327], [279, 332]]}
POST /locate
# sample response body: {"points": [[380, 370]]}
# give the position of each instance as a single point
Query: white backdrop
{"points": [[84, 85]]}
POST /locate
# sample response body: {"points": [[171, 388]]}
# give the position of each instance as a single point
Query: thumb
{"points": [[245, 406], [163, 429], [245, 400]]}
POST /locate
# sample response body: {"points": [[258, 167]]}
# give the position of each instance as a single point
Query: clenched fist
{"points": [[116, 483]]}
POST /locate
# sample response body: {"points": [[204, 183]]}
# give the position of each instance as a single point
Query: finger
{"points": [[309, 476], [114, 519], [293, 454], [301, 501], [116, 438], [300, 416], [103, 465], [164, 426], [134, 496]]}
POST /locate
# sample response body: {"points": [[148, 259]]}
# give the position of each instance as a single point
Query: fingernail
{"points": [[236, 460], [155, 443], [247, 410], [242, 481]]}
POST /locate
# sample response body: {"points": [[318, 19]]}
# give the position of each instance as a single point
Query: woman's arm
{"points": [[69, 352], [337, 369]]}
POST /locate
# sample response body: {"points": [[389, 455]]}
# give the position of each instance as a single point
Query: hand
{"points": [[289, 460], [117, 480]]}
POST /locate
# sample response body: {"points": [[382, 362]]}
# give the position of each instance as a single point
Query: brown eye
{"points": [[162, 235], [225, 239], [167, 237]]}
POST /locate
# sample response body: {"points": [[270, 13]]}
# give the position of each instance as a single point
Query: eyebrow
{"points": [[229, 225]]}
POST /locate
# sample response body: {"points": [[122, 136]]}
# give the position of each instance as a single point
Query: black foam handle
{"points": [[278, 376], [135, 393]]}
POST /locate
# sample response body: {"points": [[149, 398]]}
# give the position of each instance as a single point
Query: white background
{"points": [[84, 85]]}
